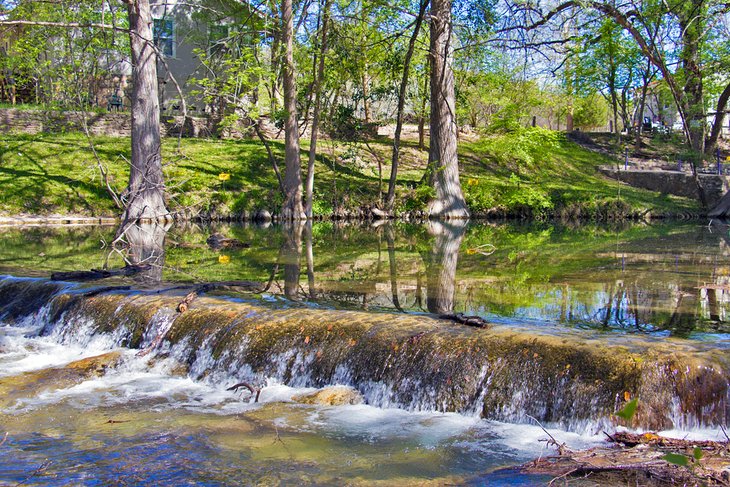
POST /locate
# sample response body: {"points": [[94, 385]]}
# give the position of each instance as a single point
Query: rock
{"points": [[262, 216], [379, 214], [30, 384], [330, 396], [219, 241]]}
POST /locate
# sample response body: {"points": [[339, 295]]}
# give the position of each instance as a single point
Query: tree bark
{"points": [[449, 202], [390, 198], [317, 89], [718, 121], [145, 194], [292, 208]]}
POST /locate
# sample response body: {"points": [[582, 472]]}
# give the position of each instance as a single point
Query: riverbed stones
{"points": [[30, 384]]}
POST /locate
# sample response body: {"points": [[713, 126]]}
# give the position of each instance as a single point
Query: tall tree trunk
{"points": [[718, 121], [646, 78], [449, 202], [275, 58], [317, 89], [390, 198], [692, 24], [422, 113], [366, 94], [292, 208], [145, 194]]}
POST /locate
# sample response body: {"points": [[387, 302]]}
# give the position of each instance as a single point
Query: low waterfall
{"points": [[415, 362]]}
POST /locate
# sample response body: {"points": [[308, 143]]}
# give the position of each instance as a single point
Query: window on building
{"points": [[164, 33]]}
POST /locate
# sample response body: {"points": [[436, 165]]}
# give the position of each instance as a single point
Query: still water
{"points": [[144, 422]]}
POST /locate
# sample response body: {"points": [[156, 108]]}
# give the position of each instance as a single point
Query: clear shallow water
{"points": [[662, 279], [144, 423], [140, 423]]}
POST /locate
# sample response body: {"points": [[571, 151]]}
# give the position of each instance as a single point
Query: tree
{"points": [[292, 208], [442, 156], [316, 116], [144, 197], [390, 198], [145, 194]]}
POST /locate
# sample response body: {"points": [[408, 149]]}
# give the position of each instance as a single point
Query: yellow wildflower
{"points": [[224, 259], [224, 176]]}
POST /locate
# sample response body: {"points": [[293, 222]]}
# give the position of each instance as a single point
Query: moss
{"points": [[419, 362]]}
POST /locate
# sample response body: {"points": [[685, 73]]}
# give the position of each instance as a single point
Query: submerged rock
{"points": [[30, 384], [331, 396]]}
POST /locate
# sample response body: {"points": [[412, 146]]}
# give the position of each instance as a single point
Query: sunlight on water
{"points": [[82, 409]]}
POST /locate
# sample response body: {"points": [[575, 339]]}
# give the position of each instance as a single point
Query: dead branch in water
{"points": [[643, 459], [248, 386], [207, 287]]}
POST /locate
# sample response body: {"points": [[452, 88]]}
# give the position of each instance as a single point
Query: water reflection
{"points": [[669, 279], [441, 265], [144, 245]]}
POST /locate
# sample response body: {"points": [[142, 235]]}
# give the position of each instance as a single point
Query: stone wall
{"points": [[673, 182], [112, 124]]}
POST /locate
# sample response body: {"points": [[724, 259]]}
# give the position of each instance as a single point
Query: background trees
{"points": [[349, 66]]}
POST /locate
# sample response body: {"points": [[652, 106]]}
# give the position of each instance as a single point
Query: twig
{"points": [[4, 439], [43, 466], [248, 386], [560, 446]]}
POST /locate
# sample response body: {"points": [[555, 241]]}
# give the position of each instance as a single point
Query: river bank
{"points": [[531, 174]]}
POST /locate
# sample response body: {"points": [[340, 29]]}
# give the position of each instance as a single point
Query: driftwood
{"points": [[218, 241], [640, 459], [475, 321], [96, 274], [248, 386], [248, 286]]}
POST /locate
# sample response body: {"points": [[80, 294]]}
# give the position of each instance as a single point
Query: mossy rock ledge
{"points": [[572, 379]]}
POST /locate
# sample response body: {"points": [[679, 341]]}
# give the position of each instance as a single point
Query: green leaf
{"points": [[698, 453], [628, 410], [676, 459]]}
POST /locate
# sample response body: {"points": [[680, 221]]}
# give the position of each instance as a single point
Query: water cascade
{"points": [[409, 361]]}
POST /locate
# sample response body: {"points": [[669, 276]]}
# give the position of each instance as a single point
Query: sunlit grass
{"points": [[58, 173]]}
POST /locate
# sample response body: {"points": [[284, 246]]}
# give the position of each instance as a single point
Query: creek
{"points": [[582, 319]]}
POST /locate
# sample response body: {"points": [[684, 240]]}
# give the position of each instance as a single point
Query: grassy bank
{"points": [[531, 173]]}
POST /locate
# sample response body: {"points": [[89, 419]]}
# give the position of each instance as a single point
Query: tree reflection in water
{"points": [[441, 264], [144, 245]]}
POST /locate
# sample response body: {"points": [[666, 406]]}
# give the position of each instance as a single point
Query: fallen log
{"points": [[96, 274], [248, 286], [252, 389], [475, 321]]}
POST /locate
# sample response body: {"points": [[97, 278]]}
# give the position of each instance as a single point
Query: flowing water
{"points": [[583, 318]]}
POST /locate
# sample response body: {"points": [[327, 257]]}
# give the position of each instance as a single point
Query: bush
{"points": [[344, 125]]}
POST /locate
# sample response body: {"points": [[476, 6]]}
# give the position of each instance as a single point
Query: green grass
{"points": [[534, 172]]}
